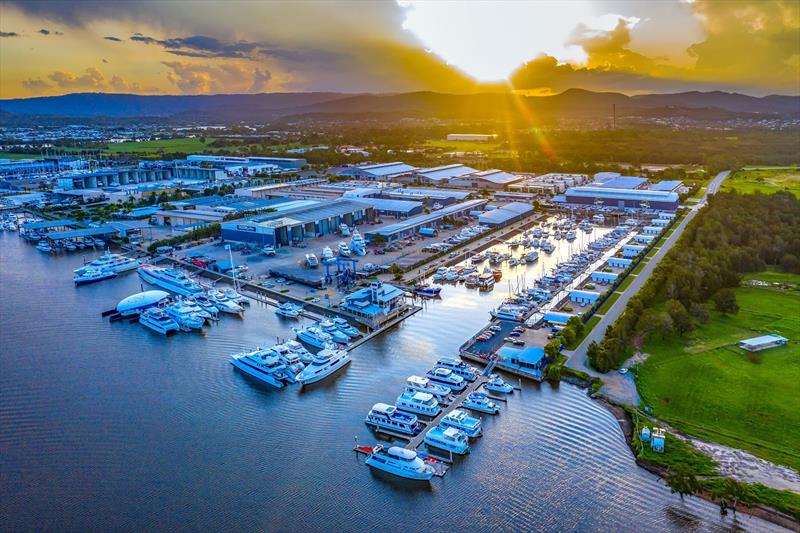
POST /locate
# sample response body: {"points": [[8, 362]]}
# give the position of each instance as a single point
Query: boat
{"points": [[99, 243], [448, 438], [312, 261], [288, 310], [343, 249], [290, 360], [598, 219], [497, 274], [44, 246], [532, 257], [420, 384], [460, 420], [325, 363], [206, 305], [136, 303], [537, 232], [157, 320], [357, 244], [313, 336], [345, 327], [428, 291], [447, 377], [268, 250], [400, 462], [436, 206], [327, 255], [70, 246], [497, 384], [330, 328], [385, 416], [344, 229], [479, 401], [93, 275], [184, 315], [420, 403], [263, 365], [223, 303], [171, 279], [304, 355], [571, 235], [235, 296], [459, 367], [191, 305], [116, 262]]}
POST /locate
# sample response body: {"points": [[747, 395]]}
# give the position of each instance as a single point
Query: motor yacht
{"points": [[345, 327], [191, 305], [313, 336], [44, 246], [116, 262], [263, 365], [93, 275], [158, 321], [448, 438], [99, 243], [571, 235], [385, 416], [400, 462], [312, 261], [324, 364], [479, 401], [460, 420], [428, 291], [223, 303], [294, 365], [330, 328], [185, 316], [357, 244], [136, 303], [497, 384], [420, 403], [235, 296], [70, 246], [344, 229], [171, 279], [304, 355], [288, 310], [459, 367], [206, 305], [532, 257], [447, 377], [343, 249], [327, 255], [421, 384]]}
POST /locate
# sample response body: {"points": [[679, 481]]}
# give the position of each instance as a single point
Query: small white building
{"points": [[764, 342], [474, 137]]}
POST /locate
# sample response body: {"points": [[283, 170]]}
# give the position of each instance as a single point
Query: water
{"points": [[111, 427]]}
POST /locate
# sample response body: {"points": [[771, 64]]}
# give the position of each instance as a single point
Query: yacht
{"points": [[93, 275], [448, 438], [571, 235], [420, 403], [327, 254], [436, 206], [206, 305], [191, 305], [313, 336], [428, 291], [460, 420], [312, 261], [357, 244], [400, 462], [171, 279], [304, 355], [44, 246], [99, 243], [532, 257], [384, 416], [185, 316], [479, 401], [537, 232], [344, 251], [116, 262], [344, 230], [288, 310], [459, 367], [291, 360], [223, 303], [420, 384], [497, 384], [345, 327], [446, 377], [235, 296], [158, 321], [330, 328], [325, 363], [262, 365], [268, 250]]}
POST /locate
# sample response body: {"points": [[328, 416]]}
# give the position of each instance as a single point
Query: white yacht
{"points": [[312, 261], [598, 219], [262, 365], [420, 403], [206, 305], [223, 303], [357, 244], [325, 363], [327, 254], [44, 246], [400, 462], [185, 316], [235, 296], [330, 328], [171, 279], [498, 384], [385, 416], [345, 327], [291, 360], [479, 401], [158, 321], [93, 275], [288, 310], [459, 367], [305, 356], [571, 235], [192, 306], [446, 377], [344, 229], [448, 438], [136, 303], [420, 384], [108, 261], [344, 250], [313, 336], [460, 419]]}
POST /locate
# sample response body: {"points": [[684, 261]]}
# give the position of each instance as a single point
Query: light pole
{"points": [[233, 270]]}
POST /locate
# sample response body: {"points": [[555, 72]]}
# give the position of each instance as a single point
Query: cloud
{"points": [[45, 31], [35, 85], [203, 46], [112, 38], [193, 78], [9, 34], [91, 78], [609, 49]]}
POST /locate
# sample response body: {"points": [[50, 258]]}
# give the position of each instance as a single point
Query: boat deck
{"points": [[440, 467]]}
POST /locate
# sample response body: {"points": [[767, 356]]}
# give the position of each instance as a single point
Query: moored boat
{"points": [[400, 462], [448, 438]]}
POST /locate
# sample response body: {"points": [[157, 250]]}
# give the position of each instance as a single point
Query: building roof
{"points": [[420, 192], [445, 172], [85, 232], [586, 294], [421, 220], [621, 182], [304, 211], [498, 177], [191, 213], [764, 339], [49, 224], [592, 191], [505, 213], [387, 169], [667, 185], [557, 317], [396, 206], [530, 354]]}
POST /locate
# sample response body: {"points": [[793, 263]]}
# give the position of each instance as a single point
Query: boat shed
{"points": [[49, 224], [762, 343], [583, 297], [411, 226], [622, 198], [631, 250], [557, 317], [80, 233], [667, 185], [622, 182], [393, 208], [599, 276], [643, 238], [443, 174], [427, 195], [528, 361], [619, 262], [652, 230], [506, 215]]}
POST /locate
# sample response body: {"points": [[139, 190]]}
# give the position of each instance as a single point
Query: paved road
{"points": [[617, 387]]}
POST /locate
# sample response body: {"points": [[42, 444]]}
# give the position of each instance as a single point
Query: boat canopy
{"points": [[402, 453]]}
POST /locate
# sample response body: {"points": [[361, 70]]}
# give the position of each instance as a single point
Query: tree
{"points": [[681, 479], [699, 312], [732, 491], [554, 372], [553, 349], [725, 301], [568, 334], [681, 318], [667, 325]]}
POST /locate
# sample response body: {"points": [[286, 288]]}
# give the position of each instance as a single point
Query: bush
{"points": [[212, 230], [725, 301]]}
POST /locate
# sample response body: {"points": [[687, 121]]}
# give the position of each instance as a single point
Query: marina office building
{"points": [[411, 226]]}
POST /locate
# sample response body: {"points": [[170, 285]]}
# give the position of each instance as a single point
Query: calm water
{"points": [[111, 427]]}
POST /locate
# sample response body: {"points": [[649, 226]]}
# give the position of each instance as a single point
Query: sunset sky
{"points": [[541, 47]]}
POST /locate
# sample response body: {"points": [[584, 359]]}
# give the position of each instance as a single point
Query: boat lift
{"points": [[345, 273]]}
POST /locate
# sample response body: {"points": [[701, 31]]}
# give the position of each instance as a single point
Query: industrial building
{"points": [[411, 226], [506, 214], [238, 163], [379, 171], [619, 262], [29, 167], [548, 184], [473, 137], [114, 177], [605, 278], [652, 230], [393, 208], [443, 174], [631, 250], [272, 190], [762, 343], [428, 196], [668, 186], [643, 238], [622, 198], [296, 221], [492, 179], [620, 182]]}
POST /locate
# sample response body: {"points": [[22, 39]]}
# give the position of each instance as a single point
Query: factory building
{"points": [[668, 186], [604, 278], [113, 177], [619, 262], [486, 179], [411, 226], [622, 198], [583, 297], [505, 215], [297, 221], [379, 171], [273, 190], [442, 175], [617, 181]]}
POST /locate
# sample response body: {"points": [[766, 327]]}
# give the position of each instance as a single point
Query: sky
{"points": [[535, 47]]}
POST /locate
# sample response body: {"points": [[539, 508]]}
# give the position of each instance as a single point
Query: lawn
{"points": [[14, 155], [624, 285], [765, 181], [463, 146], [608, 303], [708, 387], [184, 145], [640, 267]]}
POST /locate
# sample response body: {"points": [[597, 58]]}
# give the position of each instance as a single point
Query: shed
{"points": [[762, 343], [583, 297], [599, 276]]}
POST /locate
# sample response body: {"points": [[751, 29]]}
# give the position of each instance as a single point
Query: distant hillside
{"points": [[249, 107]]}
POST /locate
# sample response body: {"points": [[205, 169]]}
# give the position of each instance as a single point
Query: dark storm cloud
{"points": [[209, 47], [45, 31], [112, 38], [76, 12]]}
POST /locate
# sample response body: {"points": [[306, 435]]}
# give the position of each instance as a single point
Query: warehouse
{"points": [[660, 222], [393, 208], [471, 137], [297, 221], [621, 182], [652, 230], [442, 175], [604, 277], [622, 198], [277, 189], [642, 238], [619, 262], [582, 297], [487, 179], [411, 226], [762, 343], [379, 171], [668, 186], [631, 250], [505, 215], [553, 183], [167, 217], [428, 196]]}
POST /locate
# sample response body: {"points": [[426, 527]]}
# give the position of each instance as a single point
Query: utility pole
{"points": [[614, 116]]}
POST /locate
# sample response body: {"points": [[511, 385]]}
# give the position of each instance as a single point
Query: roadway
{"points": [[618, 387]]}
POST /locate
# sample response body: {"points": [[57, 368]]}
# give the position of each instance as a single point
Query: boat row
{"points": [[290, 362], [327, 332]]}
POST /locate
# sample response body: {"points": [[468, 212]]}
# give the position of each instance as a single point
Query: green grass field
{"points": [[14, 155], [708, 387], [608, 303], [163, 145], [765, 181], [462, 146]]}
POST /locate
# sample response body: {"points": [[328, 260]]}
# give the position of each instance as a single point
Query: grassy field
{"points": [[13, 155], [462, 146], [163, 145], [765, 181], [608, 303], [708, 387]]}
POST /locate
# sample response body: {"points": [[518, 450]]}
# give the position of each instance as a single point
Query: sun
{"points": [[488, 40]]}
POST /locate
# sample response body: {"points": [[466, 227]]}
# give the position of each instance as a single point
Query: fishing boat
{"points": [[448, 438], [156, 320], [420, 403], [400, 462], [93, 275], [324, 364], [460, 420], [385, 416], [262, 365]]}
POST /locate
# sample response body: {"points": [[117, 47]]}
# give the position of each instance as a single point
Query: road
{"points": [[618, 387]]}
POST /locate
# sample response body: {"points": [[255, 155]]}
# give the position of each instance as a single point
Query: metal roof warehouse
{"points": [[506, 214], [395, 208], [411, 226]]}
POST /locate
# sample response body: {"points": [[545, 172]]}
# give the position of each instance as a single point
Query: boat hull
{"points": [[316, 378], [390, 469], [256, 374]]}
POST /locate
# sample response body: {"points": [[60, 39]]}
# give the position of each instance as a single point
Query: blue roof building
{"points": [[379, 171], [411, 226], [376, 304], [393, 208], [619, 262], [643, 238], [443, 174], [599, 276], [666, 185], [529, 361], [583, 297], [557, 317], [622, 198], [762, 343], [631, 250], [622, 182], [506, 214]]}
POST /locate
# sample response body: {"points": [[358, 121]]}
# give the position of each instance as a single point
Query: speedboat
{"points": [[288, 310], [325, 363], [157, 320], [171, 279], [44, 246], [116, 262], [400, 462], [185, 316], [385, 416], [312, 261], [344, 251], [345, 327], [314, 336], [460, 419], [497, 384], [428, 291], [459, 367], [420, 384], [262, 365], [327, 254], [448, 438], [330, 328], [304, 355], [420, 403], [479, 401], [223, 303], [93, 275], [447, 377]]}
